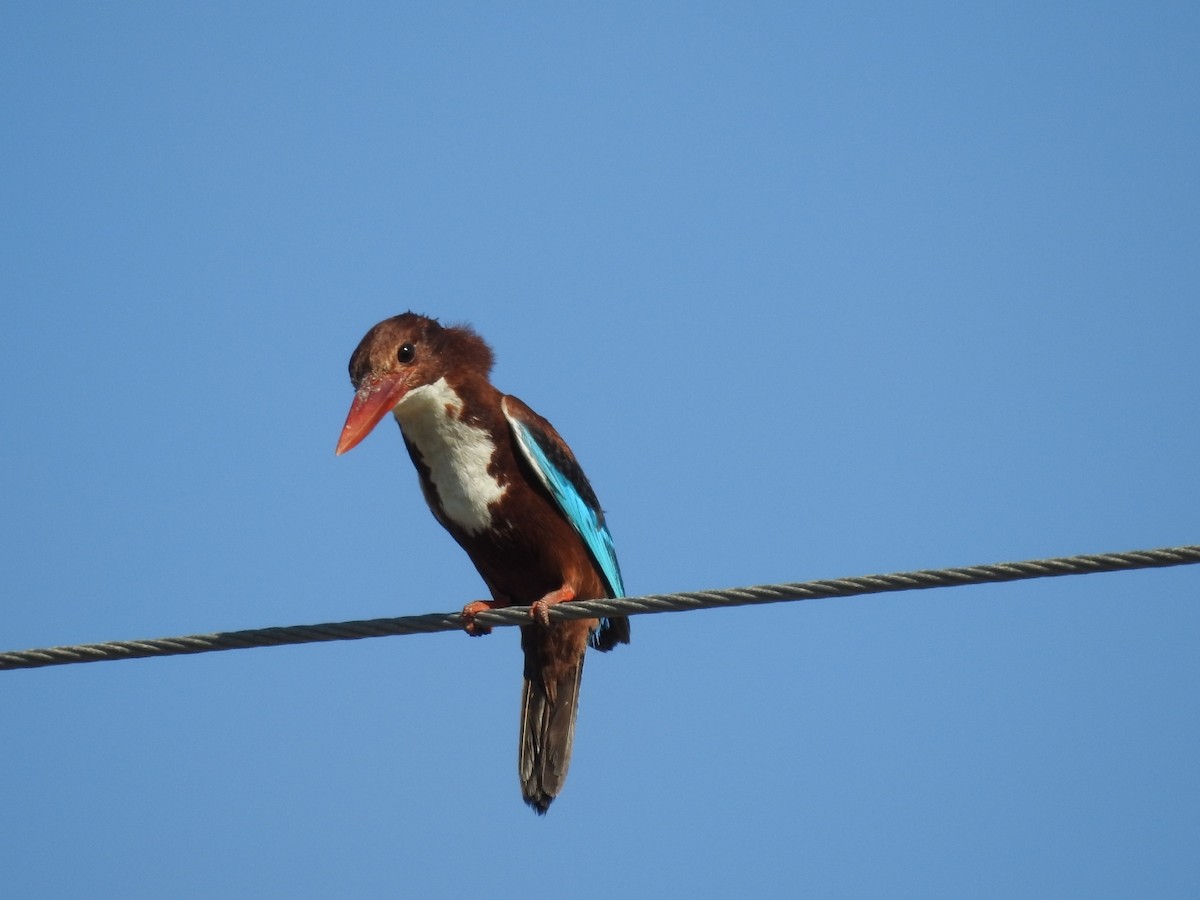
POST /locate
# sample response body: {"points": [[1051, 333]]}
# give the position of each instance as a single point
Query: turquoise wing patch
{"points": [[562, 476]]}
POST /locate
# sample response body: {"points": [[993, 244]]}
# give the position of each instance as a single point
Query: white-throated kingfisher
{"points": [[499, 478]]}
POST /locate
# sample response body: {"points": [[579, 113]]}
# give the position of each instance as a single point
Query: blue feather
{"points": [[585, 517]]}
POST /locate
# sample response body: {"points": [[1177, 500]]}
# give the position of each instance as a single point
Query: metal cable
{"points": [[622, 606]]}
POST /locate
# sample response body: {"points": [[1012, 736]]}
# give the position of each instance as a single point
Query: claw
{"points": [[469, 612], [539, 611]]}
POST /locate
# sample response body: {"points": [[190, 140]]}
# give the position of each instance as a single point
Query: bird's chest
{"points": [[456, 457]]}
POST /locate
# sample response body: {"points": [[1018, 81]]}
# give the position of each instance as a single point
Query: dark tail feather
{"points": [[547, 733], [610, 633]]}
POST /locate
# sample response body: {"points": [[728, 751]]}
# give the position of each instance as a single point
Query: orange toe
{"points": [[539, 610], [469, 612]]}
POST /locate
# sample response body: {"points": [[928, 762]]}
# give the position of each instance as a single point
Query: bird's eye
{"points": [[406, 353]]}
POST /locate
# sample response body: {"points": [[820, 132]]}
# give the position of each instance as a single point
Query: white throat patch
{"points": [[456, 453]]}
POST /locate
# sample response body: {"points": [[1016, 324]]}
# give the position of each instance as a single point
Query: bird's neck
{"points": [[456, 449]]}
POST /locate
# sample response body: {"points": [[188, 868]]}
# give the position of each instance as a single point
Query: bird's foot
{"points": [[470, 611], [540, 610]]}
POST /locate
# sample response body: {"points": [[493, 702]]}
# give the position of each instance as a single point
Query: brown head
{"points": [[400, 354]]}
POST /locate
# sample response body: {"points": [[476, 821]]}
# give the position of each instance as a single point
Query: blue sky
{"points": [[812, 290]]}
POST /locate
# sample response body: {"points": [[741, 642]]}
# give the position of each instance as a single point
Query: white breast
{"points": [[456, 453]]}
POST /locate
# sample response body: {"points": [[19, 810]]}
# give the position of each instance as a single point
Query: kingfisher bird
{"points": [[509, 490]]}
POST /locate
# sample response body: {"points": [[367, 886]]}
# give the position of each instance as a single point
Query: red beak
{"points": [[373, 400]]}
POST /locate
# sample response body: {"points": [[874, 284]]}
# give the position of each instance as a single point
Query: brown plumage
{"points": [[484, 486]]}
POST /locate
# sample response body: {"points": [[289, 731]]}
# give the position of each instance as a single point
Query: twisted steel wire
{"points": [[622, 606]]}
